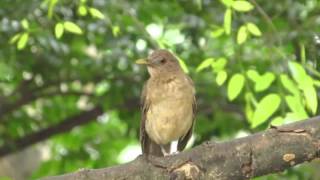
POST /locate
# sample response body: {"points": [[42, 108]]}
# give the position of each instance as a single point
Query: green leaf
{"points": [[253, 29], [14, 38], [227, 21], [101, 88], [219, 64], [242, 6], [289, 84], [217, 33], [23, 41], [253, 75], [248, 111], [242, 34], [72, 27], [277, 121], [204, 64], [290, 117], [235, 85], [310, 94], [227, 3], [25, 24], [264, 82], [316, 83], [96, 13], [82, 10], [265, 108], [221, 77], [115, 30], [58, 30], [303, 53], [298, 73], [295, 105], [183, 65], [51, 7]]}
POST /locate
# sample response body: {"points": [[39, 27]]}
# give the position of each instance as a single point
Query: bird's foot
{"points": [[171, 154], [175, 153]]}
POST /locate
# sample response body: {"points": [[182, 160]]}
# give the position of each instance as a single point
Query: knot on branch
{"points": [[187, 170]]}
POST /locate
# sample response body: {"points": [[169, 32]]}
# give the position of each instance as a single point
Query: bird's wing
{"points": [[184, 140], [147, 145]]}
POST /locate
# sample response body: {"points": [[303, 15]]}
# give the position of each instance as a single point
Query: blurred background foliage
{"points": [[69, 88]]}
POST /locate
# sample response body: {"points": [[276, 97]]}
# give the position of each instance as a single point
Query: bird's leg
{"points": [[166, 149], [174, 148]]}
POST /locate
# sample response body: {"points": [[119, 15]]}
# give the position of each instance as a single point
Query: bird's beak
{"points": [[142, 61]]}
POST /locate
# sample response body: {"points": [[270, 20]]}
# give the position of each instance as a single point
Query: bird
{"points": [[168, 105]]}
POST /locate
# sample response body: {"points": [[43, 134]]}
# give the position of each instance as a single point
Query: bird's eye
{"points": [[162, 61]]}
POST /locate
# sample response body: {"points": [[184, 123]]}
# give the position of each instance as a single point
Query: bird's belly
{"points": [[169, 120]]}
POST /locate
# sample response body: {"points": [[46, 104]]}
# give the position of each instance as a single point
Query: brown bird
{"points": [[168, 105]]}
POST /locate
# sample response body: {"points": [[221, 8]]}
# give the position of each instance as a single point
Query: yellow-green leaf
{"points": [[295, 105], [242, 34], [227, 21], [277, 121], [72, 27], [310, 94], [219, 64], [217, 33], [227, 3], [14, 38], [264, 82], [204, 64], [82, 10], [297, 71], [235, 85], [289, 84], [183, 65], [51, 7], [23, 41], [96, 13], [253, 75], [221, 77], [58, 30], [248, 105], [25, 24], [115, 30], [253, 29], [303, 53], [291, 116], [265, 108], [242, 6]]}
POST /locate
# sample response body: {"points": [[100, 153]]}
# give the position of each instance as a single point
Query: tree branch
{"points": [[273, 150], [63, 126]]}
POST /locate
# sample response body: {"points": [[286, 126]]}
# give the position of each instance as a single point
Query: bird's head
{"points": [[161, 62]]}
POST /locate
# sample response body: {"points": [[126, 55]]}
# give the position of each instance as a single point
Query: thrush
{"points": [[167, 105]]}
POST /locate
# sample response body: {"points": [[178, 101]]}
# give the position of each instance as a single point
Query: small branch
{"points": [[63, 126], [273, 150]]}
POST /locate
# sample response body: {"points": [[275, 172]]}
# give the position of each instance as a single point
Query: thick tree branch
{"points": [[63, 126], [273, 150]]}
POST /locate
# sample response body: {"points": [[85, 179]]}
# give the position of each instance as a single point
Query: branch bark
{"points": [[63, 126], [270, 151]]}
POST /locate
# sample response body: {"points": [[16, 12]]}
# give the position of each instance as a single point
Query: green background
{"points": [[253, 62]]}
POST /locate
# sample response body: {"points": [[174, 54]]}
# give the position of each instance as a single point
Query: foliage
{"points": [[254, 63]]}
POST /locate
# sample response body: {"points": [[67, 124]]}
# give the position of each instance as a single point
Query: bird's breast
{"points": [[170, 113]]}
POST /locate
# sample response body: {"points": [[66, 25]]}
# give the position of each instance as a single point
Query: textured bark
{"points": [[270, 151]]}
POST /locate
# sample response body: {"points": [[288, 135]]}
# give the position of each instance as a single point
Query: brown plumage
{"points": [[168, 105]]}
